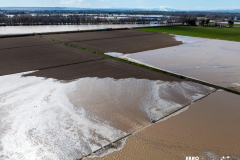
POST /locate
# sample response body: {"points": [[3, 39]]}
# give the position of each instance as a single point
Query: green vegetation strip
{"points": [[146, 67], [231, 34]]}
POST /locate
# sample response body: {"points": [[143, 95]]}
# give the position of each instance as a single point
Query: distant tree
{"points": [[201, 21], [182, 20], [191, 21], [230, 23], [207, 21]]}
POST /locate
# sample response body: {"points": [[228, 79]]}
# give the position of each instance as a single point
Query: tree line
{"points": [[80, 19], [209, 15]]}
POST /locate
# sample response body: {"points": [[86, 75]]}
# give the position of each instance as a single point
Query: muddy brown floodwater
{"points": [[130, 104], [207, 129], [214, 61], [44, 118]]}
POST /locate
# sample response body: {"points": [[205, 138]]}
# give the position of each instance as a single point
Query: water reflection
{"points": [[214, 61], [58, 28]]}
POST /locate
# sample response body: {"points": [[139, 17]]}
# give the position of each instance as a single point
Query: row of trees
{"points": [[209, 15], [61, 19], [203, 21], [79, 19], [230, 23], [188, 20]]}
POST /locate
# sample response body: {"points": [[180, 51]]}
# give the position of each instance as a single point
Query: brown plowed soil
{"points": [[102, 69], [18, 42], [34, 53], [85, 36], [39, 57], [131, 44], [123, 41]]}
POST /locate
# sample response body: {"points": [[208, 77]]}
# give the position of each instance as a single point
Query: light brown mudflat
{"points": [[208, 129]]}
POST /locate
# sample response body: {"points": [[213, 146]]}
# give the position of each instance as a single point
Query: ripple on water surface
{"points": [[49, 119], [207, 129]]}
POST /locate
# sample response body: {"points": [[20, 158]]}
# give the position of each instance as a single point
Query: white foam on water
{"points": [[157, 106], [235, 86], [114, 54], [38, 121]]}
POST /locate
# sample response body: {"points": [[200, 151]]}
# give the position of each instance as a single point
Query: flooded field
{"points": [[78, 104], [49, 119], [4, 30], [214, 61], [206, 129]]}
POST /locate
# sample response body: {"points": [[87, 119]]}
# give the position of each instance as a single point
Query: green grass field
{"points": [[231, 34]]}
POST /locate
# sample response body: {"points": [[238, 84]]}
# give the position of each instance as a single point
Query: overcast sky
{"points": [[177, 4]]}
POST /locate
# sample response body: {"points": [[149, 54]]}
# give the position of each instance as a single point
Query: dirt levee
{"points": [[207, 129], [19, 42], [38, 57], [85, 36]]}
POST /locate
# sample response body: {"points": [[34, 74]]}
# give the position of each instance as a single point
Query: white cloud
{"points": [[67, 2]]}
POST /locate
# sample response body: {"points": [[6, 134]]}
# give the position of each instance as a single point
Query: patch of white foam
{"points": [[155, 106], [38, 122], [114, 54], [189, 39], [103, 152], [235, 86]]}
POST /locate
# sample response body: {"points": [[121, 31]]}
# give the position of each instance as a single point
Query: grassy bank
{"points": [[231, 34]]}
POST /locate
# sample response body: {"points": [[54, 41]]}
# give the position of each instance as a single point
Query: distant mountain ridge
{"points": [[40, 8]]}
